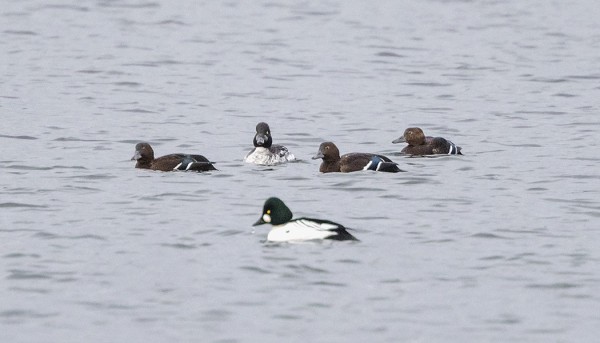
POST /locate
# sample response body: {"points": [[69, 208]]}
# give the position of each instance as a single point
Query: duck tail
{"points": [[343, 235], [454, 149], [382, 164], [390, 167]]}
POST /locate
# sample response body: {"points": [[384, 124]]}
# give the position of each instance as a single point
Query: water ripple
{"points": [[555, 285], [17, 274], [50, 235], [120, 4], [183, 246], [16, 204], [329, 284], [19, 137], [256, 269], [488, 235], [25, 314], [20, 32]]}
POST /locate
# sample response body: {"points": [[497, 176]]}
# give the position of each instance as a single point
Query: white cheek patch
{"points": [[266, 218]]}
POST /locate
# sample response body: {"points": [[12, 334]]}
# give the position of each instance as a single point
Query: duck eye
{"points": [[268, 211], [327, 148]]}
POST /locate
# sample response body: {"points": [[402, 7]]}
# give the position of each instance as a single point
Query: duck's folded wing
{"points": [[167, 162], [328, 229], [200, 158], [191, 162], [354, 161]]}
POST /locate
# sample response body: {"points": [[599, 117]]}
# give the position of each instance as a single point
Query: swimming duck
{"points": [[419, 144], [144, 155], [265, 152], [285, 229], [332, 162]]}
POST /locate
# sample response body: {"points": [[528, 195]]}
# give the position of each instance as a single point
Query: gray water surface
{"points": [[498, 245]]}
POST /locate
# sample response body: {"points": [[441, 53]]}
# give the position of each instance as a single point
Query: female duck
{"points": [[332, 162], [144, 155], [419, 144], [286, 229], [265, 152]]}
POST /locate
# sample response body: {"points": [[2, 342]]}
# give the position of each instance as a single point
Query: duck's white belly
{"points": [[300, 231], [264, 156]]}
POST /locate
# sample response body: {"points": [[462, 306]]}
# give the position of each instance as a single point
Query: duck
{"points": [[144, 155], [286, 229], [419, 144], [265, 152], [332, 162]]}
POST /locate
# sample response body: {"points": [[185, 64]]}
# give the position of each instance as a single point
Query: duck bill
{"points": [[136, 156], [399, 140], [259, 222], [260, 139], [318, 155]]}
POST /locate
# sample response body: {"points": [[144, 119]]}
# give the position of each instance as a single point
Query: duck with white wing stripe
{"points": [[286, 229]]}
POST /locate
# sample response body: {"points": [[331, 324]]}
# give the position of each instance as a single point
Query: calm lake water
{"points": [[498, 245]]}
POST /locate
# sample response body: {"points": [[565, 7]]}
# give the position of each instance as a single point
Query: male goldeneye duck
{"points": [[265, 152], [286, 229], [144, 155], [419, 144], [332, 162]]}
